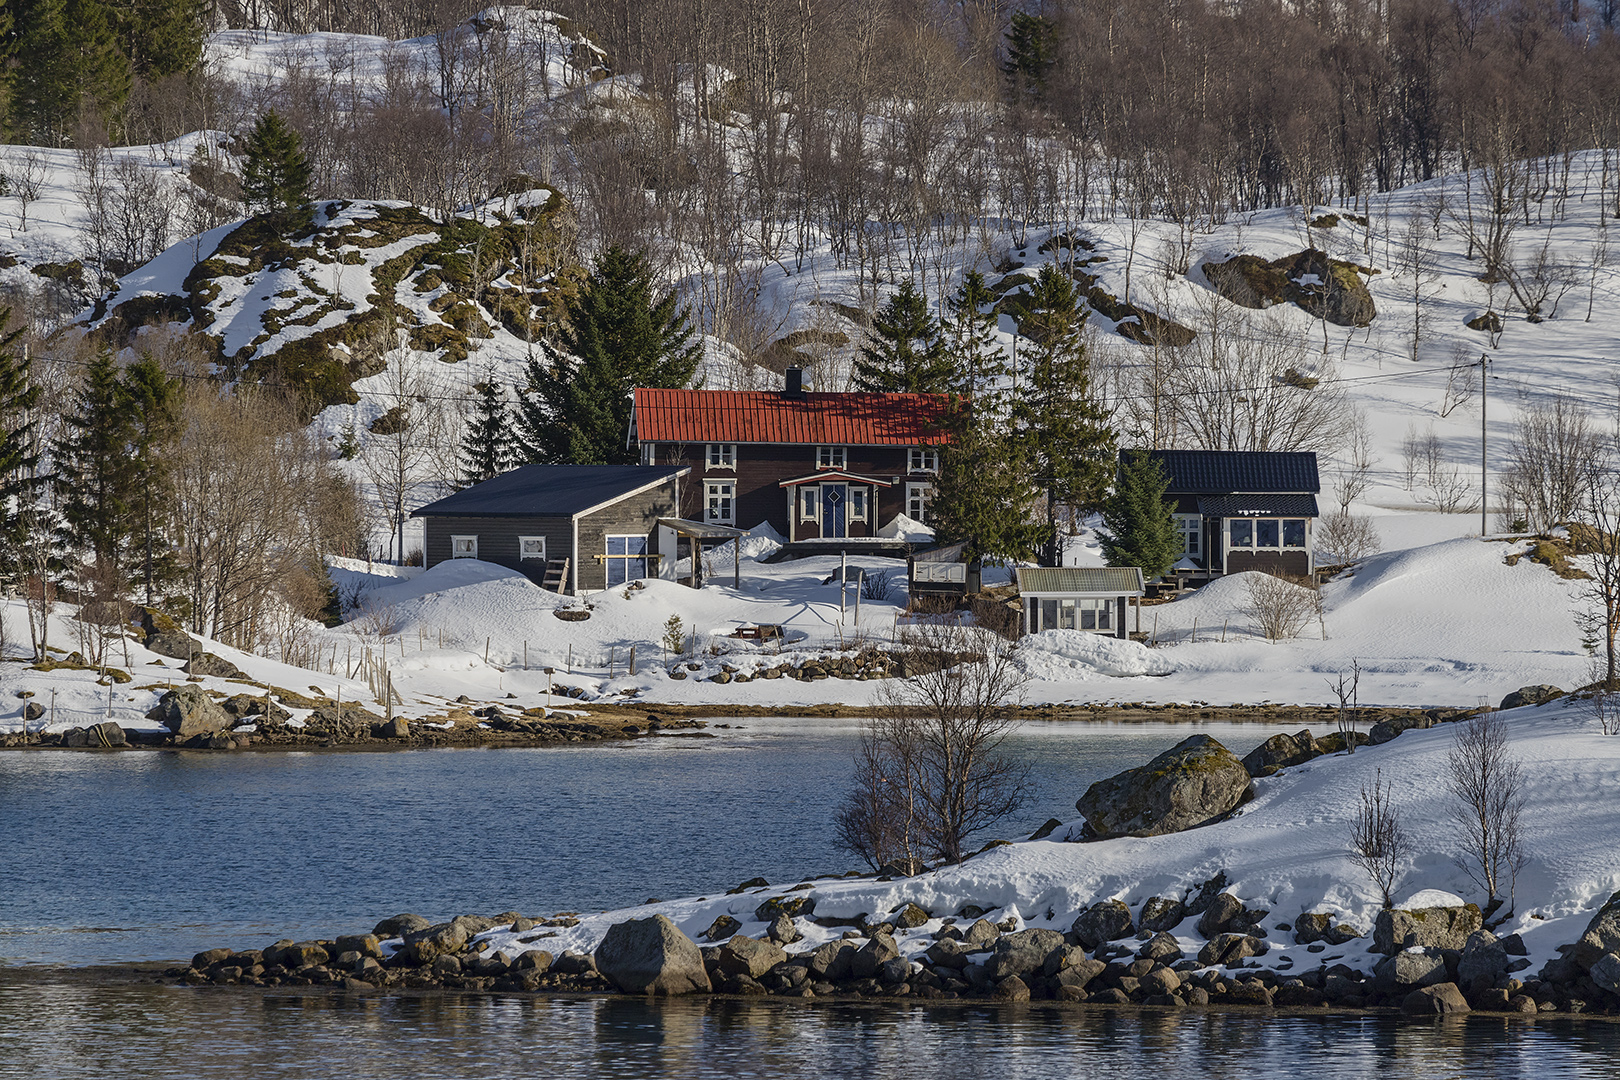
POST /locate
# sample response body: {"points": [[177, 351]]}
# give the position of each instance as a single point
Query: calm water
{"points": [[149, 857], [152, 856]]}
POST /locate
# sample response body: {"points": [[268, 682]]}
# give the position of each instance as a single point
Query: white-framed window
{"points": [[718, 502], [626, 558], [1272, 534], [531, 547], [649, 453], [832, 457], [858, 502], [1191, 527], [923, 459], [721, 455], [1077, 614], [810, 503], [464, 547], [917, 496]]}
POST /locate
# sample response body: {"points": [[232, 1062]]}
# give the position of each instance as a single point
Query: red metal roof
{"points": [[750, 416]]}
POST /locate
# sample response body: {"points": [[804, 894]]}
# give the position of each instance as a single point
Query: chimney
{"points": [[795, 383]]}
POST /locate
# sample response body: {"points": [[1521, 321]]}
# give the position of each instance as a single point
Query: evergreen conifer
{"points": [[905, 353], [275, 173], [64, 59], [1070, 441], [978, 363], [576, 407], [151, 399], [19, 454], [94, 474], [1031, 54], [488, 449], [1139, 527], [983, 496]]}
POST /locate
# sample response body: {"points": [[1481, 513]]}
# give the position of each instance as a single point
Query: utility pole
{"points": [[1484, 386]]}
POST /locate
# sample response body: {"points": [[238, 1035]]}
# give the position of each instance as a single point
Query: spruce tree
{"points": [[905, 353], [983, 496], [151, 399], [1139, 528], [1031, 54], [576, 407], [163, 37], [1071, 443], [93, 475], [19, 454], [275, 174], [64, 57], [488, 449], [969, 331]]}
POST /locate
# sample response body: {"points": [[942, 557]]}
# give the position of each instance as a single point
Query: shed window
{"points": [[719, 503], [464, 547], [832, 457], [722, 455], [626, 558], [1293, 532], [531, 547], [1242, 533], [1085, 613], [1265, 532]]}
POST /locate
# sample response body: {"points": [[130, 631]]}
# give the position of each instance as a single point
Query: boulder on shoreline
{"points": [[189, 710], [1196, 782], [1434, 927], [652, 956]]}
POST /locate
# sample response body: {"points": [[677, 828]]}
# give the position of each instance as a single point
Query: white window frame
{"points": [[649, 453], [923, 459], [832, 457], [1191, 527], [810, 502], [720, 456], [524, 553], [858, 504], [1280, 545], [918, 497], [725, 492], [644, 556], [456, 541]]}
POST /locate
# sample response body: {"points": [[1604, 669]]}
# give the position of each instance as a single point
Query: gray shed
{"points": [[566, 527], [1078, 597]]}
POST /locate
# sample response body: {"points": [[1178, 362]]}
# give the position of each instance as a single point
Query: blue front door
{"points": [[833, 509]]}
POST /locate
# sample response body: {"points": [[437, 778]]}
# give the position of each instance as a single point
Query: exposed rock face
{"points": [[188, 710], [1602, 935], [1438, 1000], [791, 906], [909, 917], [1531, 695], [1606, 972], [1483, 961], [1385, 730], [1022, 954], [746, 956], [722, 928], [1194, 783], [1226, 914], [652, 956], [163, 635], [212, 666], [1228, 949], [1407, 970], [782, 931], [879, 950], [1325, 287], [1105, 921], [1160, 913], [1436, 927], [1279, 752]]}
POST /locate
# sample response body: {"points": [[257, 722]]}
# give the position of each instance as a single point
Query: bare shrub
{"points": [[1280, 607], [1378, 843], [1348, 537], [1550, 462], [1604, 707], [1444, 485], [875, 586], [1488, 785], [1347, 688], [930, 772]]}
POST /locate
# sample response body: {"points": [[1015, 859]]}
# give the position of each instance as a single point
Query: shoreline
{"points": [[616, 722]]}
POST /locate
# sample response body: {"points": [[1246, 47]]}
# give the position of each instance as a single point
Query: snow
{"points": [[904, 527], [1286, 851]]}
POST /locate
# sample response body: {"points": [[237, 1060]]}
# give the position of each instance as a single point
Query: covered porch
{"points": [[672, 531]]}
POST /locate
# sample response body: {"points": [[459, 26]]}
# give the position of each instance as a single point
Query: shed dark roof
{"points": [[1222, 472], [749, 416], [1258, 506], [550, 490], [1081, 580]]}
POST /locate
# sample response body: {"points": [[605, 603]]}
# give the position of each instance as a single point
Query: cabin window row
{"points": [[1080, 614], [1273, 533], [465, 546], [723, 457]]}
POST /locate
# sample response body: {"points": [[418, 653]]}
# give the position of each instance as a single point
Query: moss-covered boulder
{"points": [[1196, 782], [1323, 286]]}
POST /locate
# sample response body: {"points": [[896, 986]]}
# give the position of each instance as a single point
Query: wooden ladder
{"points": [[556, 575]]}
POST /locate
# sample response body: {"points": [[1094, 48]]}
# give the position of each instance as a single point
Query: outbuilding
{"points": [[1093, 598], [570, 528]]}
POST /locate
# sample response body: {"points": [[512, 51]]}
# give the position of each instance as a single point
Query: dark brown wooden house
{"points": [[1242, 510], [816, 466], [571, 528]]}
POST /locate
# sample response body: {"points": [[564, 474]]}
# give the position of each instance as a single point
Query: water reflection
{"points": [[65, 1028]]}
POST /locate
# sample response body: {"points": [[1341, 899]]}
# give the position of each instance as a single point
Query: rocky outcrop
{"points": [[1279, 752], [1409, 970], [746, 956], [1161, 913], [1109, 920], [208, 665], [652, 956], [1023, 953], [1194, 783], [1531, 695], [1602, 935], [1325, 287], [189, 710], [1435, 927]]}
